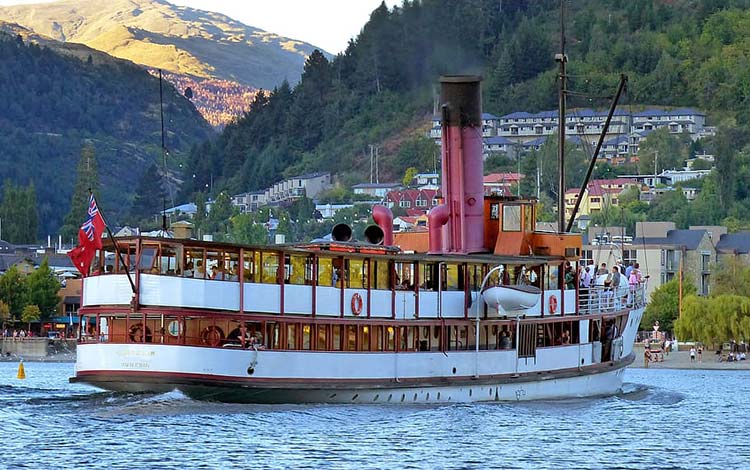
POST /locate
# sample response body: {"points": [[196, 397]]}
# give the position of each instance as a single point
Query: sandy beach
{"points": [[681, 360]]}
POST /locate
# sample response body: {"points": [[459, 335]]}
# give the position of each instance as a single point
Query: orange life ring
{"points": [[552, 304], [212, 336], [356, 304]]}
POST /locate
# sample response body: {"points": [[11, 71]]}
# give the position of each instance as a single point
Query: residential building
{"points": [[598, 196], [500, 184], [663, 256], [420, 199], [584, 126], [734, 245], [378, 190], [283, 192]]}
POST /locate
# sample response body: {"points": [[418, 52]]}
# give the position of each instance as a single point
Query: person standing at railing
{"points": [[633, 281], [615, 287], [585, 287]]}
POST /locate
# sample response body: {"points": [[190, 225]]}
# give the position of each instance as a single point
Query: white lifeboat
{"points": [[512, 297]]}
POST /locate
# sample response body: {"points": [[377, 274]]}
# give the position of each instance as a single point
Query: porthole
{"points": [[376, 398], [415, 397], [390, 396], [355, 397], [250, 370], [454, 370], [403, 397], [582, 361], [332, 396], [428, 397], [470, 392], [438, 396]]}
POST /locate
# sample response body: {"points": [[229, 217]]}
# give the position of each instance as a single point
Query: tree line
{"points": [[28, 297]]}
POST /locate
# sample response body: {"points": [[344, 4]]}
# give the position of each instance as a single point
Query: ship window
{"points": [[295, 269], [109, 262], [274, 335], [364, 338], [270, 267], [356, 273], [325, 272], [148, 258], [351, 338], [495, 211], [249, 266], [404, 276], [322, 337], [453, 279], [511, 218], [306, 337], [168, 263], [336, 337], [233, 260], [390, 338], [428, 276], [194, 263], [292, 330], [382, 275], [528, 218], [214, 265], [376, 338]]}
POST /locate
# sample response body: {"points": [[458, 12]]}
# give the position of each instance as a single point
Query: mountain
{"points": [[177, 39], [222, 60], [59, 99]]}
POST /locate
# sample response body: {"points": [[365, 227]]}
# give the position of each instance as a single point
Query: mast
{"points": [[562, 59]]}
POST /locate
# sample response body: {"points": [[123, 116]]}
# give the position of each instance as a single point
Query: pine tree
{"points": [[87, 181], [18, 214], [148, 195]]}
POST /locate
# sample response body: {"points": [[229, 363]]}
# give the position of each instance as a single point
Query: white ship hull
{"points": [[267, 376]]}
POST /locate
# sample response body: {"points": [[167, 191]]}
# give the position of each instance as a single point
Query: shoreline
{"points": [[681, 360]]}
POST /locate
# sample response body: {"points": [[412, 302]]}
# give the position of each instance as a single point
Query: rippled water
{"points": [[664, 419]]}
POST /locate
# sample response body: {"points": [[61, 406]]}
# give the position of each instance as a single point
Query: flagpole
{"points": [[117, 247]]}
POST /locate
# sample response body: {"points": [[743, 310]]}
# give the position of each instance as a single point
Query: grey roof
{"points": [[738, 242], [690, 239]]}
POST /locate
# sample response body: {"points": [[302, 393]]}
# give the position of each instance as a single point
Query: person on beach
{"points": [[700, 353], [692, 354], [646, 356]]}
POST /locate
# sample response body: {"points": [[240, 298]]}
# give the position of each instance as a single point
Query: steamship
{"points": [[476, 308]]}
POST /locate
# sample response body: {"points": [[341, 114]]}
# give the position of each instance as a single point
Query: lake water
{"points": [[663, 419]]}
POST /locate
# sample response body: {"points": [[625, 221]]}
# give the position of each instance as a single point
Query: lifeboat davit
{"points": [[512, 298]]}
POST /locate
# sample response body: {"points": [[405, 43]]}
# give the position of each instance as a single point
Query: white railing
{"points": [[608, 299]]}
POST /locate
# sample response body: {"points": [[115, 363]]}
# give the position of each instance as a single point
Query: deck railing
{"points": [[608, 299]]}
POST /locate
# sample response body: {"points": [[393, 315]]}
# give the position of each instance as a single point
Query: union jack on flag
{"points": [[89, 238], [88, 227]]}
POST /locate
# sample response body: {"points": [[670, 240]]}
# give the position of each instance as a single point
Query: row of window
{"points": [[353, 337], [271, 267]]}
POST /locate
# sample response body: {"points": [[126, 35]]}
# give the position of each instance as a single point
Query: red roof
{"points": [[503, 177]]}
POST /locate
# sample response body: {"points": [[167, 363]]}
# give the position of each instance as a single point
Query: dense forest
{"points": [[380, 90], [53, 105]]}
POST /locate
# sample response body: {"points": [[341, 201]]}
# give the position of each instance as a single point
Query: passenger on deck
{"points": [[200, 271], [505, 341], [566, 337], [218, 273], [189, 269]]}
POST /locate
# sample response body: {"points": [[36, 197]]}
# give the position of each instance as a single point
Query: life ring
{"points": [[212, 336], [552, 304], [356, 304]]}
